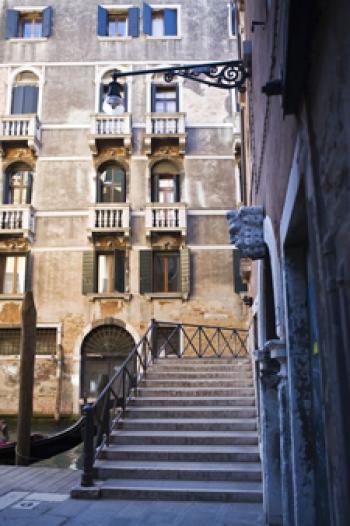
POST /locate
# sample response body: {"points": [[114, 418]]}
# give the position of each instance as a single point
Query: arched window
{"points": [[19, 180], [106, 79], [111, 184], [165, 184], [25, 93]]}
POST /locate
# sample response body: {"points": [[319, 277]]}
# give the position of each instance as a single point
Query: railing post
{"points": [[154, 339], [87, 476]]}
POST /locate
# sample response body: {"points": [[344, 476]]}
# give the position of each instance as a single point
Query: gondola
{"points": [[46, 447]]}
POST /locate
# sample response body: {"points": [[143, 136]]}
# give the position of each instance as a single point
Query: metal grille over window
{"points": [[10, 339]]}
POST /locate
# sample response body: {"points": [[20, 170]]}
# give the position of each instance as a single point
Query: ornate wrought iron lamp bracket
{"points": [[224, 75]]}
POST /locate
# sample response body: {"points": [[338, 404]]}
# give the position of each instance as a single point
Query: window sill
{"points": [[113, 39], [7, 297], [165, 295], [163, 37], [110, 296], [28, 40]]}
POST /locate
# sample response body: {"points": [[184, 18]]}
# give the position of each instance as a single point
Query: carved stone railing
{"points": [[21, 128], [165, 126], [161, 217], [110, 127], [109, 218], [17, 220]]}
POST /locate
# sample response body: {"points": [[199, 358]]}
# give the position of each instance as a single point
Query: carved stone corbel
{"points": [[247, 231]]}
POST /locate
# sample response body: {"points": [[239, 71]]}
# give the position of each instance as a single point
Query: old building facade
{"points": [[294, 232], [111, 216]]}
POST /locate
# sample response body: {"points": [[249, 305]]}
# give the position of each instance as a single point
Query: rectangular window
{"points": [[166, 272], [36, 23], [12, 274], [10, 340], [165, 99], [30, 25], [117, 24], [110, 272], [160, 22]]}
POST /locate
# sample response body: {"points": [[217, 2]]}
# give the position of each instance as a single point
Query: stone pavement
{"points": [[39, 509]]}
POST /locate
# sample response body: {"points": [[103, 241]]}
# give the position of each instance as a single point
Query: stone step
{"points": [[178, 453], [194, 360], [196, 391], [210, 375], [239, 471], [176, 490], [190, 412], [186, 424], [190, 438], [192, 401], [202, 368], [197, 382]]}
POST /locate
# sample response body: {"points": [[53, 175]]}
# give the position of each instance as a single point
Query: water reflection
{"points": [[70, 459]]}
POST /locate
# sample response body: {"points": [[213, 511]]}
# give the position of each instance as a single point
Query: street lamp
{"points": [[230, 74]]}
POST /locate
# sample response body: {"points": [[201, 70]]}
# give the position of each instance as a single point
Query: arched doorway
{"points": [[102, 350]]}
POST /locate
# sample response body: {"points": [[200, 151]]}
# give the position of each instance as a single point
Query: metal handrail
{"points": [[101, 416]]}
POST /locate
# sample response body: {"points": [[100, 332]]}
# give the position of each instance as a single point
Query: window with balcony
{"points": [[25, 94], [18, 190], [165, 99], [12, 274], [29, 24], [111, 184], [160, 22], [165, 183], [106, 79]]}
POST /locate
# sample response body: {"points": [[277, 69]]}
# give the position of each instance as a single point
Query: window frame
{"points": [[39, 326], [116, 14], [164, 100], [27, 189], [23, 12], [100, 183], [33, 17], [162, 7], [115, 9], [113, 272], [165, 255], [15, 255]]}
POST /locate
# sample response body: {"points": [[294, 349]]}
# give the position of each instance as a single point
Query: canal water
{"points": [[70, 459]]}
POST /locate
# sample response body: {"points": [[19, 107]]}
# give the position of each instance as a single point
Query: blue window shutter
{"points": [[47, 22], [30, 103], [153, 97], [102, 21], [233, 20], [177, 98], [170, 22], [12, 23], [17, 102], [134, 21], [125, 97], [147, 19]]}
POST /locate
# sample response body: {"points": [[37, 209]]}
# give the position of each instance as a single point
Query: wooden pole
{"points": [[26, 379]]}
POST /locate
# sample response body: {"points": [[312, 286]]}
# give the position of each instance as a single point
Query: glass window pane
{"points": [[112, 27], [158, 275], [157, 24], [27, 28], [173, 273], [37, 29], [105, 273], [170, 106], [20, 275], [8, 279], [121, 27]]}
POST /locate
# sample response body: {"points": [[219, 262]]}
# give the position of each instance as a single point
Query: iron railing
{"points": [[160, 340]]}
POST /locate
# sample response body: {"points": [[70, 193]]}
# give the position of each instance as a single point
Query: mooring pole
{"points": [[26, 379]]}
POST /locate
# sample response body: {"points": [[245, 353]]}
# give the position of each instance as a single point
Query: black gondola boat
{"points": [[46, 447]]}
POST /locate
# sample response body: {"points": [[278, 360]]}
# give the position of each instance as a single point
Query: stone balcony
{"points": [[17, 220], [109, 218], [168, 128], [115, 129], [166, 218], [19, 129]]}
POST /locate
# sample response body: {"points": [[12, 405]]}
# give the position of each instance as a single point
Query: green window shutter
{"points": [[185, 271], [145, 271], [119, 267], [88, 285], [239, 286], [29, 272]]}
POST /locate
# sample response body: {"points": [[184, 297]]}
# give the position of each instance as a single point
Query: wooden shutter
{"points": [[119, 270], [29, 273], [147, 19], [30, 103], [102, 21], [88, 284], [12, 18], [177, 97], [239, 286], [177, 189], [134, 21], [185, 272], [155, 188], [153, 97], [170, 22], [102, 96], [47, 22], [125, 97], [233, 20], [17, 102], [145, 271]]}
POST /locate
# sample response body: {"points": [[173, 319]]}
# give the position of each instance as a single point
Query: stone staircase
{"points": [[188, 433]]}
